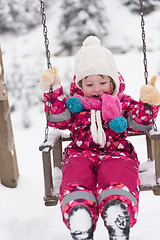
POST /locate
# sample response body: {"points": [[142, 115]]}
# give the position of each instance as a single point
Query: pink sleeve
{"points": [[140, 116], [56, 111]]}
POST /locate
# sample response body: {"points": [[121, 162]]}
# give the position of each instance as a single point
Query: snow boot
{"points": [[80, 223], [117, 220]]}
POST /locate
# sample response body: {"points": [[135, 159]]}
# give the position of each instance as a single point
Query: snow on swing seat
{"points": [[147, 174]]}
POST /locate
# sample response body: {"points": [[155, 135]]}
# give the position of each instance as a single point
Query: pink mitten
{"points": [[111, 107]]}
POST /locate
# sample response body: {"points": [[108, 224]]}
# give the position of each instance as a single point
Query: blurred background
{"points": [[117, 23]]}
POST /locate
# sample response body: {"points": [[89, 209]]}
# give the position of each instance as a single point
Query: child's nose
{"points": [[97, 89]]}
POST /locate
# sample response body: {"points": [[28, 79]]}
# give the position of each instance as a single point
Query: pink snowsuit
{"points": [[92, 175]]}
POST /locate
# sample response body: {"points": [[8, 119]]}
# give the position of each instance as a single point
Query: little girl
{"points": [[100, 166]]}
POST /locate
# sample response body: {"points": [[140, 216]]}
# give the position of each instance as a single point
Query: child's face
{"points": [[95, 85]]}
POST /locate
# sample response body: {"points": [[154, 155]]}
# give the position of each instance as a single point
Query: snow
{"points": [[23, 214], [53, 136], [147, 174], [116, 218], [80, 222], [154, 132], [57, 178]]}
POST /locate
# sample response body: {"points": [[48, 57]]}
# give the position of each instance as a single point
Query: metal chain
{"points": [[145, 55], [48, 56], [143, 40], [45, 32], [153, 120]]}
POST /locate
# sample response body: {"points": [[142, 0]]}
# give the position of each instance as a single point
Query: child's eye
{"points": [[89, 85], [102, 83]]}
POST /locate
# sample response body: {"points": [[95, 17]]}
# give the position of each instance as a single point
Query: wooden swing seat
{"points": [[54, 151]]}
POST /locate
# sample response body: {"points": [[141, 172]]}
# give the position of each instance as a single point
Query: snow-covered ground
{"points": [[23, 215]]}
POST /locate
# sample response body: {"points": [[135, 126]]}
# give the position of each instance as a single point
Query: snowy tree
{"points": [[22, 80], [19, 16], [149, 5], [80, 19]]}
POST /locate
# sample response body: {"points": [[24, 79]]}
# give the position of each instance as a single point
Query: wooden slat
{"points": [[57, 153], [155, 189], [49, 198], [150, 149], [155, 151], [157, 157]]}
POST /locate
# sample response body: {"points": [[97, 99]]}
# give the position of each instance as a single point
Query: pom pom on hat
{"points": [[92, 40], [93, 59], [74, 105], [118, 124]]}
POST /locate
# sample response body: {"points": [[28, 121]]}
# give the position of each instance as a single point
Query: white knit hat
{"points": [[93, 59]]}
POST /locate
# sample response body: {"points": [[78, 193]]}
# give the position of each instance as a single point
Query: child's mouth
{"points": [[96, 96]]}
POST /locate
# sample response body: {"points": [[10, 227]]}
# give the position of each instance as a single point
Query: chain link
{"points": [[143, 41], [48, 56]]}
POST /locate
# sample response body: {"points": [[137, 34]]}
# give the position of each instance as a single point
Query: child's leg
{"points": [[118, 180], [77, 197]]}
